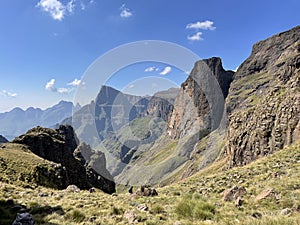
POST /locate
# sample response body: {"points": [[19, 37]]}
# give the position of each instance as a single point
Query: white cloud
{"points": [[206, 25], [71, 6], [150, 69], [56, 9], [63, 90], [166, 70], [9, 94], [50, 86], [75, 83], [125, 12], [131, 86], [195, 37]]}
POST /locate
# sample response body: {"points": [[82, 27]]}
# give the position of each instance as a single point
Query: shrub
{"points": [[75, 216], [116, 211], [195, 209]]}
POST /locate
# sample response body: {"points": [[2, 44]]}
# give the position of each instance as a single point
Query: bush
{"points": [[195, 209], [157, 209], [76, 216], [116, 211]]}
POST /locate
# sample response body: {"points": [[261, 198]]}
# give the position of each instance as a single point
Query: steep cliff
{"points": [[192, 108], [264, 99]]}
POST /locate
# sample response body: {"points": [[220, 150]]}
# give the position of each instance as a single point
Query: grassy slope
{"points": [[191, 201], [18, 165]]}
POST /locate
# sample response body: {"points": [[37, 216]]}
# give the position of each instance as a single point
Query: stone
{"points": [[264, 194], [92, 190], [233, 193], [286, 212], [142, 207], [43, 194], [130, 190], [72, 188], [238, 202], [130, 216], [177, 223], [146, 191], [92, 219], [257, 215]]}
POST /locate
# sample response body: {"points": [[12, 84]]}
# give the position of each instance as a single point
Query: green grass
{"points": [[164, 153], [195, 209], [191, 201]]}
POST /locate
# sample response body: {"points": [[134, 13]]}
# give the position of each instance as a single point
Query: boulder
{"points": [[146, 191], [233, 193], [269, 192]]}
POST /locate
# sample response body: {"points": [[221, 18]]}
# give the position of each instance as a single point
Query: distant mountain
{"points": [[113, 109], [3, 139], [18, 121]]}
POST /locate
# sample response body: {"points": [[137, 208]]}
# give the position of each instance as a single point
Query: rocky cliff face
{"points": [[161, 104], [264, 99], [60, 146], [192, 107]]}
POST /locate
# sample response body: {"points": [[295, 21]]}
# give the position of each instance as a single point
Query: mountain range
{"points": [[18, 121]]}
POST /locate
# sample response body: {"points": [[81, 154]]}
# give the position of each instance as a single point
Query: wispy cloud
{"points": [[58, 10], [63, 90], [205, 25], [70, 6], [75, 83], [195, 37], [54, 7], [166, 70], [125, 12], [50, 86], [150, 69], [9, 94]]}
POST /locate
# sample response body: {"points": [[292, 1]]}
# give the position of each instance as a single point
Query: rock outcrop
{"points": [[193, 105], [60, 146], [161, 104], [3, 139], [264, 99]]}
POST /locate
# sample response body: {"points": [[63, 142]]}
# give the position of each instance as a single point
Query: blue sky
{"points": [[47, 45]]}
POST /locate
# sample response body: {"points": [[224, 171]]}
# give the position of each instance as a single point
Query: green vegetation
{"points": [[195, 208], [164, 154], [195, 200]]}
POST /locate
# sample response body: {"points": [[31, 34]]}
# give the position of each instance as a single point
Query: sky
{"points": [[46, 46]]}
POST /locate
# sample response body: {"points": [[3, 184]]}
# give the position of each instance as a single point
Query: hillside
{"points": [[195, 200]]}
